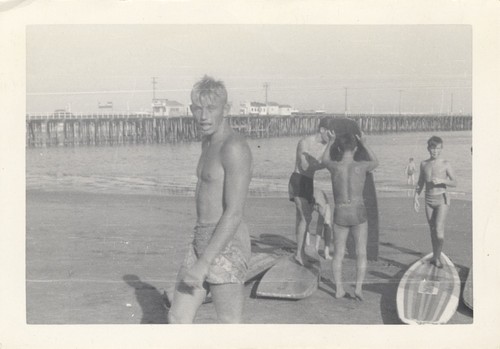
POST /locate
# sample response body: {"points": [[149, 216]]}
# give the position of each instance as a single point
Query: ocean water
{"points": [[169, 169]]}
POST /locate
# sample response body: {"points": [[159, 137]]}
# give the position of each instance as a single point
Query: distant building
{"points": [[272, 108], [285, 109], [165, 107]]}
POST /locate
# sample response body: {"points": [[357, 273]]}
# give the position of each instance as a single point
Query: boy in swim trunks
{"points": [[301, 187], [348, 180], [324, 224], [436, 174], [217, 259]]}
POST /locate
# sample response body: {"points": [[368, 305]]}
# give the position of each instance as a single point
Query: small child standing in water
{"points": [[410, 170], [437, 174]]}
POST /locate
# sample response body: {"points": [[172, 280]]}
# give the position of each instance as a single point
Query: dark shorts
{"points": [[349, 215], [230, 267], [301, 186], [434, 201]]}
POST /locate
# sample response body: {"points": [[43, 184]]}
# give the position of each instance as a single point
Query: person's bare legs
{"points": [[360, 233], [436, 218], [303, 218], [327, 236], [340, 234], [185, 302], [228, 300]]}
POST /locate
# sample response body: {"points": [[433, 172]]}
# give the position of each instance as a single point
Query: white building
{"points": [[165, 107], [272, 108], [285, 109]]}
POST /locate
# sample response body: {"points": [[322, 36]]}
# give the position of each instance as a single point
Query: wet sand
{"points": [[106, 259]]}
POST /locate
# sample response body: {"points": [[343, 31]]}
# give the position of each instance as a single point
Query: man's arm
{"points": [[326, 158], [303, 164], [450, 180], [373, 161], [419, 188]]}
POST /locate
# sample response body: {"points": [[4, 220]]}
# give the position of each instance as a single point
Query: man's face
{"points": [[209, 113], [435, 151]]}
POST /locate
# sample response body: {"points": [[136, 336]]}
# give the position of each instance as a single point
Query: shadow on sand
{"points": [[150, 299]]}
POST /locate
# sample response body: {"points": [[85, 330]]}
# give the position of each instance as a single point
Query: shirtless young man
{"points": [[348, 180], [436, 174], [218, 257], [301, 187], [324, 225]]}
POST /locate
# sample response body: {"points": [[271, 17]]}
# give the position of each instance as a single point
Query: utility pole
{"points": [[400, 92], [345, 102], [154, 87], [451, 104], [266, 86]]}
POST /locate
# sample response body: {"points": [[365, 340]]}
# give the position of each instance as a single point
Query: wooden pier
{"points": [[115, 129]]}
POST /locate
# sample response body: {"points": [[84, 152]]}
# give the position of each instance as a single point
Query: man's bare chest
{"points": [[209, 167]]}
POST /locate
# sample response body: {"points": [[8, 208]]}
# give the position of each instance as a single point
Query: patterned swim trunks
{"points": [[230, 267]]}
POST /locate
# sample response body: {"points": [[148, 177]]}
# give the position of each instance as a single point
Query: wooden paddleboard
{"points": [[467, 293], [290, 280], [427, 294], [342, 126]]}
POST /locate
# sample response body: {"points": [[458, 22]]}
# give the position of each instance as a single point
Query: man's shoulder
{"points": [[445, 162], [307, 140], [235, 144]]}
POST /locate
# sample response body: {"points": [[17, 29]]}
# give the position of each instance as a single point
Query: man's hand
{"points": [[331, 135], [361, 138], [416, 204], [195, 276], [436, 181]]}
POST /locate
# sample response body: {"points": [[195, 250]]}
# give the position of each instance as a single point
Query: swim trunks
{"points": [[231, 265], [434, 201], [349, 214], [301, 186]]}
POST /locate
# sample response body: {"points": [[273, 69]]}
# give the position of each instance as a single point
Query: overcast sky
{"points": [[307, 66]]}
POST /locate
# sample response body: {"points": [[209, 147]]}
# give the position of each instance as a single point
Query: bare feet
{"points": [[340, 294], [302, 259], [358, 295], [437, 263]]}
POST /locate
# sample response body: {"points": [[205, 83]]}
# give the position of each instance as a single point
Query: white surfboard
{"points": [[427, 294]]}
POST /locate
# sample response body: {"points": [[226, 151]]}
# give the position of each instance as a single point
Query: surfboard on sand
{"points": [[290, 280], [342, 126], [467, 293], [427, 294]]}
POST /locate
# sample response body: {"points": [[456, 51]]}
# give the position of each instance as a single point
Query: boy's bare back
{"points": [[348, 180]]}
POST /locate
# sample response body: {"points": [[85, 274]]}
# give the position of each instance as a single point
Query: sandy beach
{"points": [[107, 259]]}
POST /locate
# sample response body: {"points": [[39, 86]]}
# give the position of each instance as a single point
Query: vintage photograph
{"points": [[245, 173]]}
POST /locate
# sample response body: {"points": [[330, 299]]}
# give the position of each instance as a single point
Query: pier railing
{"points": [[99, 129]]}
